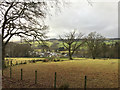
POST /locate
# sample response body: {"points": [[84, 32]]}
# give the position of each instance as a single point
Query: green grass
{"points": [[100, 73], [60, 44]]}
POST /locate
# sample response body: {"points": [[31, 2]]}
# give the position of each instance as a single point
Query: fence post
{"points": [[55, 81], [11, 62], [36, 77], [85, 83], [16, 63], [21, 74], [10, 72], [8, 63]]}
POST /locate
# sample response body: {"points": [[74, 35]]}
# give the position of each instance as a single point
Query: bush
{"points": [[33, 61], [45, 60], [52, 58], [55, 60], [29, 61], [39, 60], [16, 63], [25, 63], [21, 62], [58, 60]]}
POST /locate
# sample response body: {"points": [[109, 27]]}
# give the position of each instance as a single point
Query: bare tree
{"points": [[44, 48], [94, 43], [54, 46], [72, 42], [23, 19]]}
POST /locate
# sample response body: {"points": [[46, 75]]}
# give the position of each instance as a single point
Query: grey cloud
{"points": [[102, 18]]}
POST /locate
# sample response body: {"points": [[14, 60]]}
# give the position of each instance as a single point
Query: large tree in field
{"points": [[94, 43], [72, 42], [23, 19]]}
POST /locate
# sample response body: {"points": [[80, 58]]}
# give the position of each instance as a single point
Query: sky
{"points": [[100, 16]]}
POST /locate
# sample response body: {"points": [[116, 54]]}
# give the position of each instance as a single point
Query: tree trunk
{"points": [[3, 55], [70, 55]]}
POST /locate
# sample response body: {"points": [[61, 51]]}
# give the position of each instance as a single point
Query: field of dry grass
{"points": [[19, 60], [100, 73]]}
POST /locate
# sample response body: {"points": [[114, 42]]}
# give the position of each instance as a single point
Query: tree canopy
{"points": [[24, 19], [71, 42]]}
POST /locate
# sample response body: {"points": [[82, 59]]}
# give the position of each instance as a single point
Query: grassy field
{"points": [[19, 60], [100, 73]]}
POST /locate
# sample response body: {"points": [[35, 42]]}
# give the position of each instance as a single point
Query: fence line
{"points": [[85, 85], [10, 72], [36, 77], [55, 81], [21, 74], [11, 64], [55, 77]]}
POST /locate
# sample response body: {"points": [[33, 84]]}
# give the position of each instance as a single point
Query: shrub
{"points": [[38, 60], [55, 60], [45, 60], [16, 63], [21, 62], [58, 60], [25, 63], [52, 58], [33, 61]]}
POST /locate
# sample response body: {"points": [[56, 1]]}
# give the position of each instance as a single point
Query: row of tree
{"points": [[18, 50], [92, 46], [94, 43]]}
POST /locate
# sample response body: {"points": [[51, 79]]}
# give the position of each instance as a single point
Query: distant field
{"points": [[49, 43], [100, 73], [60, 44], [22, 60], [19, 60]]}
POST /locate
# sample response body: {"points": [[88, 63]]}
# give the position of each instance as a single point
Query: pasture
{"points": [[100, 73], [19, 60]]}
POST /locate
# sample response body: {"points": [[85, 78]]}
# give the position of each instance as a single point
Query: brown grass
{"points": [[100, 73]]}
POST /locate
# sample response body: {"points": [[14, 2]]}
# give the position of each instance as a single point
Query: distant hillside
{"points": [[53, 39], [114, 38], [50, 41]]}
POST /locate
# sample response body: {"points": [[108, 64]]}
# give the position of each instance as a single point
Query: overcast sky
{"points": [[101, 17]]}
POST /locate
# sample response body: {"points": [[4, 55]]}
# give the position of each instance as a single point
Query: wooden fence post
{"points": [[55, 81], [21, 74], [36, 77], [85, 83], [11, 62], [10, 72], [16, 63]]}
